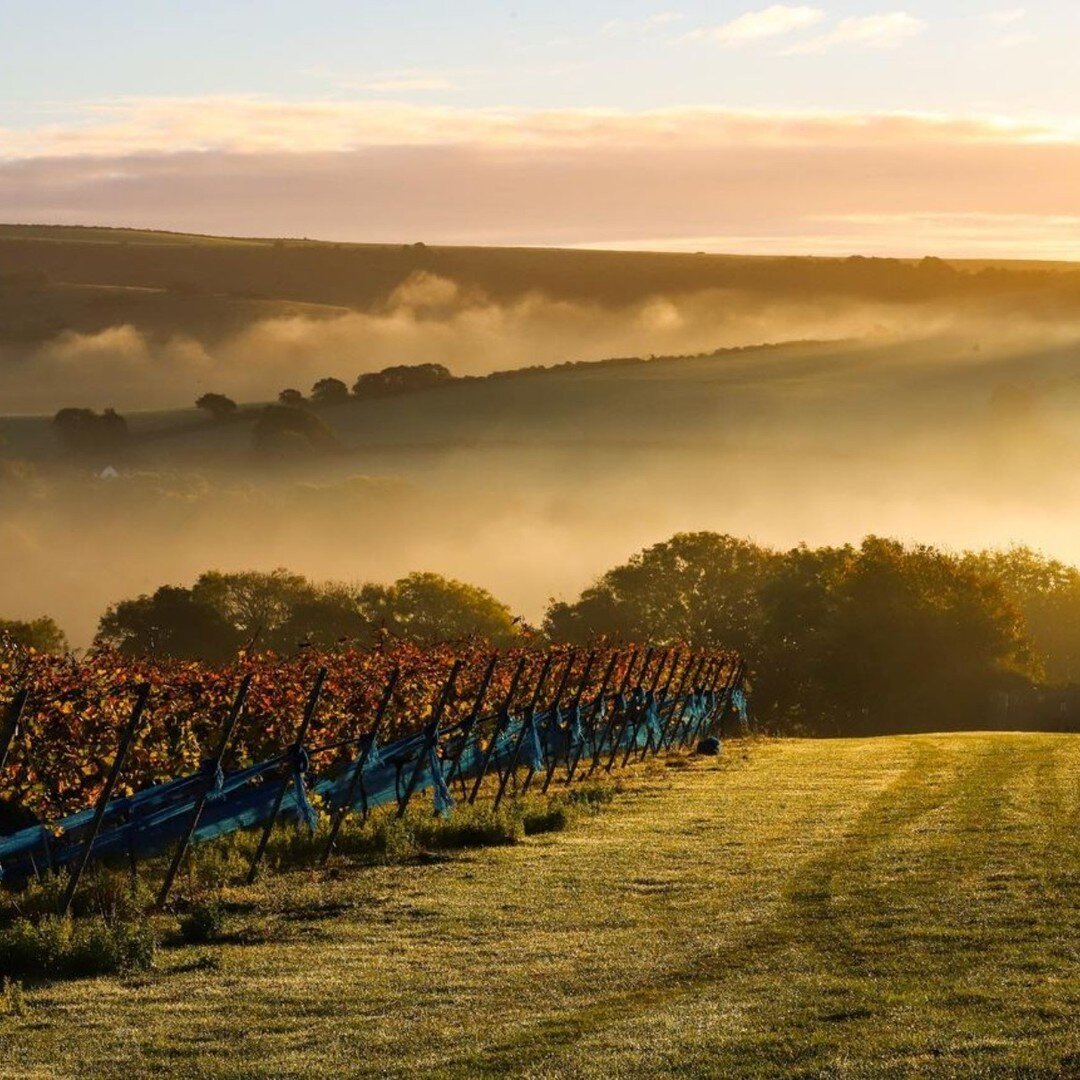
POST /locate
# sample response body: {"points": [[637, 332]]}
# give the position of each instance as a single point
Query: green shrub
{"points": [[385, 837], [105, 892], [203, 923], [28, 948], [554, 817], [56, 947], [112, 895]]}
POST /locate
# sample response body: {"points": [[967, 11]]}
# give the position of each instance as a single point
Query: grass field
{"points": [[889, 907]]}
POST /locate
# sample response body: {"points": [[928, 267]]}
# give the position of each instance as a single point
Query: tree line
{"points": [[854, 639]]}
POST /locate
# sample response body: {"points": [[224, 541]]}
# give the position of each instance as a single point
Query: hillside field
{"points": [[851, 908]]}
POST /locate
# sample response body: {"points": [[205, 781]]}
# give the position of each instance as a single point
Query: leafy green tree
{"points": [[284, 611], [331, 617], [401, 378], [329, 391], [1047, 594], [90, 433], [171, 622], [886, 637], [218, 406], [42, 634], [877, 638], [427, 608], [696, 587], [255, 603]]}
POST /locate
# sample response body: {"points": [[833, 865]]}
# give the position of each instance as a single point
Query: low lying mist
{"points": [[949, 425], [427, 319]]}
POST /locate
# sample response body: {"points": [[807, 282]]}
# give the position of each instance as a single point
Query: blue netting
{"points": [[151, 821]]}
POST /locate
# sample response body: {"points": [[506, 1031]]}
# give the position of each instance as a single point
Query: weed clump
{"points": [[104, 892], [470, 826], [593, 794], [556, 816], [385, 837], [58, 947], [205, 922], [12, 999]]}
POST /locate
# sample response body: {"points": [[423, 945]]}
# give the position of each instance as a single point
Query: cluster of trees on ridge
{"points": [[290, 425], [848, 639], [279, 428]]}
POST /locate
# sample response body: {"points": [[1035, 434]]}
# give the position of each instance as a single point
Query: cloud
{"points": [[756, 25], [402, 81], [406, 85], [245, 124], [638, 27], [872, 31], [1007, 16], [746, 180]]}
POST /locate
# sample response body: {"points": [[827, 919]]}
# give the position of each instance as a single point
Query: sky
{"points": [[832, 127]]}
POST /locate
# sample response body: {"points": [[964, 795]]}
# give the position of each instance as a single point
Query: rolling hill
{"points": [[44, 262], [949, 419]]}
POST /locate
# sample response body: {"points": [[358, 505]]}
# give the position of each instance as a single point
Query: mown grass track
{"points": [[851, 908]]}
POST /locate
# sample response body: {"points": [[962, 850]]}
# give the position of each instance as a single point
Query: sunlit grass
{"points": [[887, 907]]}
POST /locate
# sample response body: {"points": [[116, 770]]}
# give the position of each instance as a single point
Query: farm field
{"points": [[894, 906]]}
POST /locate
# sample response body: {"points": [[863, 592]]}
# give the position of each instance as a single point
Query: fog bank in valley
{"points": [[950, 424]]}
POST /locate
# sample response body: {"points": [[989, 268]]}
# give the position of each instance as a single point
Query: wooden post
{"points": [[727, 694], [582, 684], [501, 719], [725, 680], [142, 693], [704, 677], [659, 700], [526, 721], [469, 723], [594, 712], [678, 707], [642, 711], [431, 733], [686, 688], [713, 677], [283, 787], [200, 803], [356, 780], [598, 745], [554, 705], [628, 711]]}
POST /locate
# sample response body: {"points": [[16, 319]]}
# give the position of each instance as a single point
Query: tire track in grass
{"points": [[887, 919], [685, 978]]}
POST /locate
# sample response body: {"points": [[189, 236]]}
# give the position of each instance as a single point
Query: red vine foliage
{"points": [[76, 708]]}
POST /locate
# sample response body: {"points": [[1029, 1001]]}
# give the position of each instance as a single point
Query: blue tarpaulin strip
{"points": [[151, 821]]}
